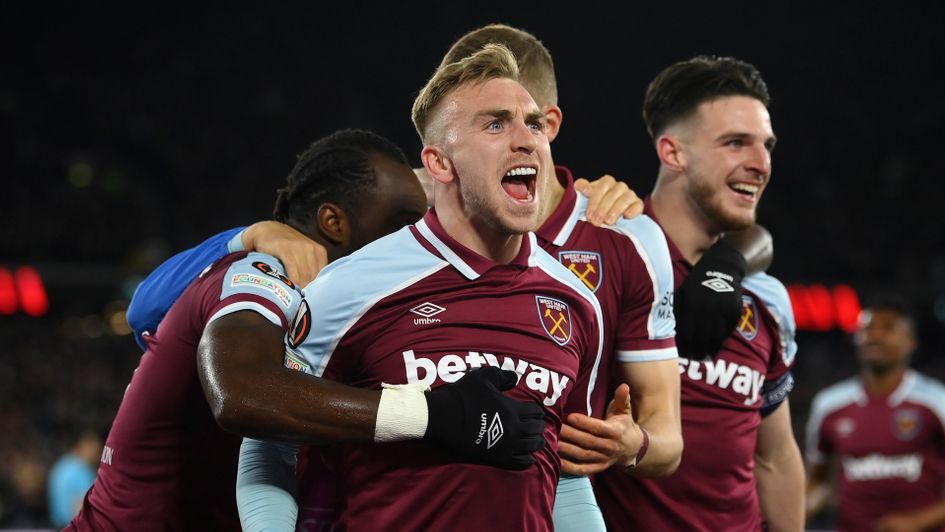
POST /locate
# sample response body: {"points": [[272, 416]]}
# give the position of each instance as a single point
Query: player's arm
{"points": [[303, 259], [648, 446], [250, 391], [646, 439], [608, 198], [161, 288], [266, 487], [755, 244], [654, 390], [708, 303], [779, 472], [931, 517]]}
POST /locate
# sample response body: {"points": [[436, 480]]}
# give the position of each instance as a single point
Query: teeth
{"points": [[521, 171], [743, 187]]}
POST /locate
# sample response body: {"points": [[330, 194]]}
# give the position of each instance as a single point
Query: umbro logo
{"points": [[718, 282], [493, 433], [426, 310], [717, 285]]}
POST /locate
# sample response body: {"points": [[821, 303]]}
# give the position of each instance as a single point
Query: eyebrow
{"points": [[506, 114], [772, 140], [535, 115]]}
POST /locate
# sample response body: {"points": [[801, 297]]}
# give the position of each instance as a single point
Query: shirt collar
{"points": [[467, 261], [559, 226], [903, 390], [895, 397]]}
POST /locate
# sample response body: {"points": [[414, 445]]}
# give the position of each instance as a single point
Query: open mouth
{"points": [[519, 183], [746, 190]]}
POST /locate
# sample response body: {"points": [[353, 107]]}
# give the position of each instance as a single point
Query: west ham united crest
{"points": [[555, 317], [906, 423], [748, 322], [587, 265]]}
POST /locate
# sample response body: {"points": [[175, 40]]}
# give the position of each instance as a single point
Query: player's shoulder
{"points": [[836, 396], [259, 274], [776, 300], [927, 391], [643, 231], [926, 384], [387, 263], [772, 293]]}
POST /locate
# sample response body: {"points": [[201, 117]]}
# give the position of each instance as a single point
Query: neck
{"points": [[551, 195], [682, 220], [881, 383], [471, 231]]}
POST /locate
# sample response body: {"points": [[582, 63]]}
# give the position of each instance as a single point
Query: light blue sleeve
{"points": [[266, 486], [775, 297], [575, 508], [158, 291]]}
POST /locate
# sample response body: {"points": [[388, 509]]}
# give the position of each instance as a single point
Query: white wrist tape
{"points": [[402, 413]]}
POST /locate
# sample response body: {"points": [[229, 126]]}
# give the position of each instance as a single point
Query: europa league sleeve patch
{"points": [[301, 326]]}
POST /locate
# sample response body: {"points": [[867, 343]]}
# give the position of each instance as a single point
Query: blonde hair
{"points": [[493, 61], [537, 70]]}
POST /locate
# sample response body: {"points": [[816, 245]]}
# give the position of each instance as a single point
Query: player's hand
{"points": [[473, 418], [302, 257], [709, 304], [589, 445], [608, 199]]}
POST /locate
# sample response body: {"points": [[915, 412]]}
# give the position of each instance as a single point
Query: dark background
{"points": [[128, 132]]}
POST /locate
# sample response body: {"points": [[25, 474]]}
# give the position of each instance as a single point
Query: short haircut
{"points": [[537, 70], [493, 61], [678, 90], [333, 169], [893, 302]]}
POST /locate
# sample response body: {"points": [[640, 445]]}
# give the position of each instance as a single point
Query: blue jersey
{"points": [[159, 290]]}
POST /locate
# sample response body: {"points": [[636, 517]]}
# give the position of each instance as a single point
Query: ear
{"points": [[671, 153], [437, 164], [334, 225], [553, 117]]}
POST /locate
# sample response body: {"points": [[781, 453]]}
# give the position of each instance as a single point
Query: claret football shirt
{"points": [[419, 307]]}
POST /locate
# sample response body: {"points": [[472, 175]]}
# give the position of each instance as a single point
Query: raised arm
{"points": [[755, 244], [303, 259], [709, 302], [159, 290]]}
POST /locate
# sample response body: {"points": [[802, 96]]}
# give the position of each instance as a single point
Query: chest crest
{"points": [[748, 322], [586, 265], [906, 423], [555, 318]]}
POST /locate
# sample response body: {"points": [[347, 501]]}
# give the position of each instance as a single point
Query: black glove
{"points": [[709, 302], [475, 419]]}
